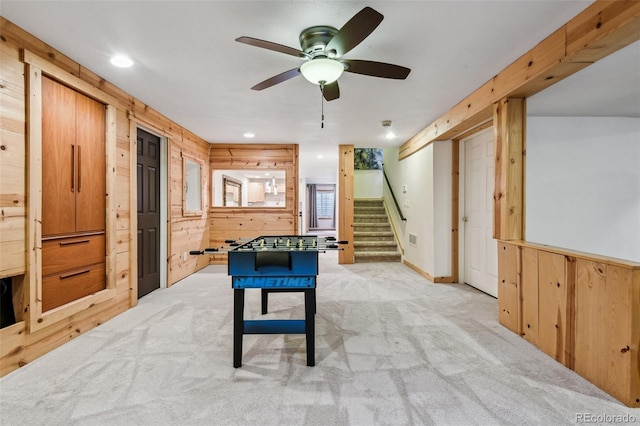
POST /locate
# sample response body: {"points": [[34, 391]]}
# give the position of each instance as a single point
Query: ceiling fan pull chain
{"points": [[322, 104]]}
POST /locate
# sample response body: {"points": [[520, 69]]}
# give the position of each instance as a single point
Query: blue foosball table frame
{"points": [[274, 264]]}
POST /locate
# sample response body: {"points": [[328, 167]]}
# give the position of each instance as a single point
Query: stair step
{"points": [[383, 228], [377, 256], [373, 236], [370, 218], [368, 202], [377, 246], [373, 209]]}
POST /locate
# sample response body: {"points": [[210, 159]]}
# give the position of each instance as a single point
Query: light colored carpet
{"points": [[391, 348]]}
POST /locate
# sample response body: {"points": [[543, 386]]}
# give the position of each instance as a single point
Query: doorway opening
{"points": [[321, 208]]}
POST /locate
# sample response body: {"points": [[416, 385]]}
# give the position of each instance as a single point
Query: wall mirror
{"points": [[254, 188], [192, 186]]}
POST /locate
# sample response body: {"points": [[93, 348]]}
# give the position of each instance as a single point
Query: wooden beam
{"points": [[508, 196], [601, 29], [346, 202]]}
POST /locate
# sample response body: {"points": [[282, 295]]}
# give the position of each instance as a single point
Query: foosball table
{"points": [[275, 264]]}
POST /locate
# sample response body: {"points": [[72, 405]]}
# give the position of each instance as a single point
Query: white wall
{"points": [[367, 183], [426, 204], [583, 184], [442, 207]]}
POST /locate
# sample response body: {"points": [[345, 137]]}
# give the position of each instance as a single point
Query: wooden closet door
{"points": [[90, 163], [58, 153]]}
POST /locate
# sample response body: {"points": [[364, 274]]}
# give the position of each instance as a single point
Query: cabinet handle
{"points": [[73, 274], [73, 167], [79, 169], [68, 243]]}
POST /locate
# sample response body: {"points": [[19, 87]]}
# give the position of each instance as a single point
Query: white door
{"points": [[480, 249]]}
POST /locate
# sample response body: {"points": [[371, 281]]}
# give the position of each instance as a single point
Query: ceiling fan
{"points": [[322, 49]]}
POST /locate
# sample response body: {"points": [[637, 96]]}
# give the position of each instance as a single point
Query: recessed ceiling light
{"points": [[121, 61], [390, 135], [320, 156], [249, 135]]}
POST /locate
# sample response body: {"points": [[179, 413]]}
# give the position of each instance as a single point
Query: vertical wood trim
{"points": [[345, 214], [110, 202], [133, 212], [169, 216], [296, 189], [34, 195], [508, 197], [455, 205], [570, 307]]}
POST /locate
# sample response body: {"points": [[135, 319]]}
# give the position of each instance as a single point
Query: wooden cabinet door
{"points": [[73, 166], [90, 164], [58, 153], [256, 192]]}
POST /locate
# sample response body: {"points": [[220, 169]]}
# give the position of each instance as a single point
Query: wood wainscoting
{"points": [[581, 309]]}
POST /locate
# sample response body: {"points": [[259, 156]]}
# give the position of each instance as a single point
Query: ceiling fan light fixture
{"points": [[323, 70]]}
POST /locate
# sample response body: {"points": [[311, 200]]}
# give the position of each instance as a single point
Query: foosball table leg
{"points": [[310, 325], [265, 301], [238, 326]]}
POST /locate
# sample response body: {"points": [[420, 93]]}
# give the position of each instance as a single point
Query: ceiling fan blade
{"points": [[354, 31], [287, 75], [331, 91], [376, 69], [272, 46]]}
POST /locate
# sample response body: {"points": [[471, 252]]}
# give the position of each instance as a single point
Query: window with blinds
{"points": [[324, 204]]}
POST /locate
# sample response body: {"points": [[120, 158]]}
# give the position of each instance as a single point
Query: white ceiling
{"points": [[189, 68]]}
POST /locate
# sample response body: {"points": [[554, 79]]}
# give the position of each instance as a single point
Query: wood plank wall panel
{"points": [[246, 223], [19, 346], [587, 308], [552, 299], [602, 353], [529, 295], [13, 260], [346, 202], [186, 232], [509, 287], [634, 353]]}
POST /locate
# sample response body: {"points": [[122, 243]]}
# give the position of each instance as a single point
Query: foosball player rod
{"points": [[205, 251]]}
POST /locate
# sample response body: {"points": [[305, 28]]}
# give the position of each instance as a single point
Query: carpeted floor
{"points": [[391, 348]]}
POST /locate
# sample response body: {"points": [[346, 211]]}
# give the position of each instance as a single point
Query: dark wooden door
{"points": [[148, 170], [90, 164], [58, 152]]}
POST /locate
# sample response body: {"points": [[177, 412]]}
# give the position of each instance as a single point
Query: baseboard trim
{"points": [[435, 280]]}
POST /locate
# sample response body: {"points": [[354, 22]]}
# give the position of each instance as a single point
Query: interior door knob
{"points": [[465, 219]]}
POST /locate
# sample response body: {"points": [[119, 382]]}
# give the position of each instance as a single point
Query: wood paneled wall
{"points": [[583, 310], [20, 343], [249, 222]]}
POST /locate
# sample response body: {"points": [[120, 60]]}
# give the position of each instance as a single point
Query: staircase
{"points": [[373, 239]]}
